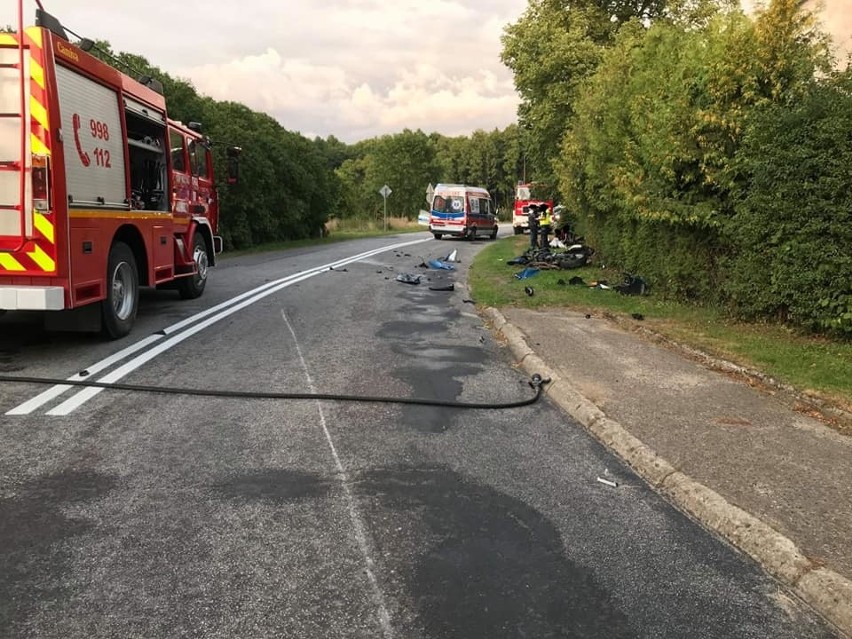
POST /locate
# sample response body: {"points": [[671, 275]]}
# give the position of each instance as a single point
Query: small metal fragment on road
{"points": [[407, 278], [607, 482]]}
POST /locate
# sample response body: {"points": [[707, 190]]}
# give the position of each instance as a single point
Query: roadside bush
{"points": [[792, 230], [683, 164]]}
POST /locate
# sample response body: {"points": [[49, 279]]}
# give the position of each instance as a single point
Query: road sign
{"points": [[384, 192], [430, 193]]}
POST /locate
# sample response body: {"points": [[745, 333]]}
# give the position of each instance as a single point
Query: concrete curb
{"points": [[829, 593]]}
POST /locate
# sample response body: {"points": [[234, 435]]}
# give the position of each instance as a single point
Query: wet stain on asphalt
{"points": [[433, 370], [486, 564], [276, 485], [432, 383], [33, 557], [424, 318], [409, 329]]}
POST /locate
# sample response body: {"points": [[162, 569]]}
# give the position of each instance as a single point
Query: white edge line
{"points": [[55, 391], [77, 400]]}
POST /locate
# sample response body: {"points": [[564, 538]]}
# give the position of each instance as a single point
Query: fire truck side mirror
{"points": [[233, 155]]}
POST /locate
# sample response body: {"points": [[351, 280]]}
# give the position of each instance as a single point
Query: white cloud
{"points": [[351, 68]]}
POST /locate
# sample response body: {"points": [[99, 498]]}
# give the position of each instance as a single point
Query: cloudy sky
{"points": [[350, 68]]}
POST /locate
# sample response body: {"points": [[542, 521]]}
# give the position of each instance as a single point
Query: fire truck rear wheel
{"points": [[122, 301], [192, 287]]}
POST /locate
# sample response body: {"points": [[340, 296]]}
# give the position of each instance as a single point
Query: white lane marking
{"points": [[174, 328], [81, 397], [55, 391], [49, 395], [357, 523]]}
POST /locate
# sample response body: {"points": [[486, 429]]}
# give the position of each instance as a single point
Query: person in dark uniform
{"points": [[532, 220]]}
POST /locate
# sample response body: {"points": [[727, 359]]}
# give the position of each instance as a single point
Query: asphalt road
{"points": [[147, 515]]}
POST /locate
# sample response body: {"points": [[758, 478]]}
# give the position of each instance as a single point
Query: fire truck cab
{"points": [[100, 192]]}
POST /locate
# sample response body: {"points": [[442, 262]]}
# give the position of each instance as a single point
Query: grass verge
{"points": [[813, 365]]}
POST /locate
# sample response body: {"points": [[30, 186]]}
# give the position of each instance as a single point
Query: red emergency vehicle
{"points": [[100, 192], [524, 193]]}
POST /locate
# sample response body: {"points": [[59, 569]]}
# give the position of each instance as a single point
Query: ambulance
{"points": [[462, 211]]}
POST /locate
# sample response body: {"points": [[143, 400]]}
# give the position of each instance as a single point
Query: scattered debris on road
{"points": [[408, 278]]}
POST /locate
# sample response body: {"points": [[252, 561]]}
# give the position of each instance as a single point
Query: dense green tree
{"points": [[650, 163], [406, 163], [551, 50], [792, 228]]}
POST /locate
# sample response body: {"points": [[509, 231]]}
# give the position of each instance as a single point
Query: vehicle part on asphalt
{"points": [[408, 278], [536, 382], [448, 287], [438, 264], [607, 482]]}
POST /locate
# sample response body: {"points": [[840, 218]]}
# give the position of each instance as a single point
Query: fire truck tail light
{"points": [[40, 182]]}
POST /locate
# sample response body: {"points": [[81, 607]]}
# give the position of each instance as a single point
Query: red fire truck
{"points": [[523, 198], [100, 192]]}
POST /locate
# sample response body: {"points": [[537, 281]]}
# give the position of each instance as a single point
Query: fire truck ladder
{"points": [[15, 222]]}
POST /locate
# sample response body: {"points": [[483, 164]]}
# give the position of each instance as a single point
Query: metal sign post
{"points": [[384, 192]]}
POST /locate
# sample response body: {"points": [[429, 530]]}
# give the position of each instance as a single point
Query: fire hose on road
{"points": [[536, 382]]}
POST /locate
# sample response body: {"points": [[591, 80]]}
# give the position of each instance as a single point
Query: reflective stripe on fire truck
{"points": [[39, 254], [9, 263], [44, 226]]}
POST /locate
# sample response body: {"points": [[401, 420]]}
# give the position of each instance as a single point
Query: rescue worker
{"points": [[544, 222], [532, 221]]}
